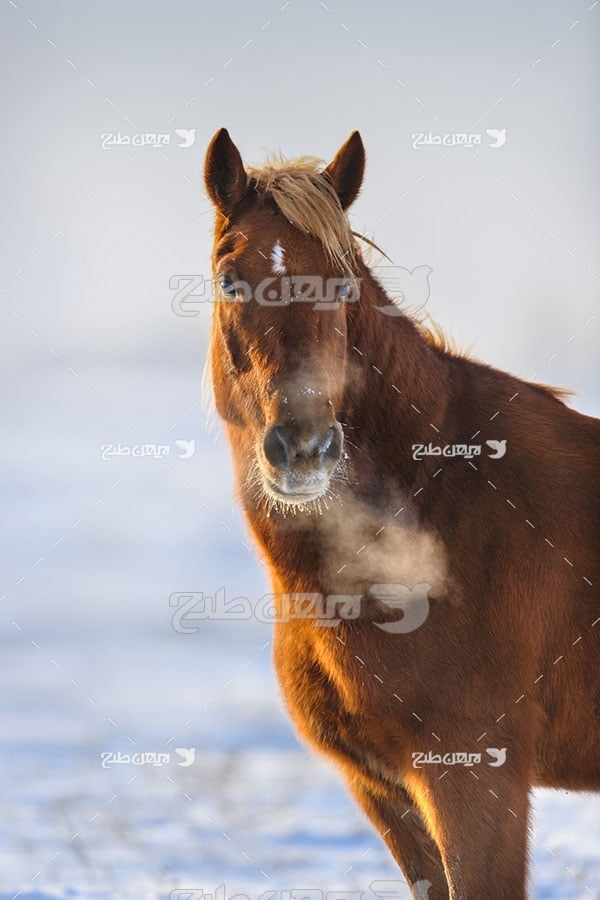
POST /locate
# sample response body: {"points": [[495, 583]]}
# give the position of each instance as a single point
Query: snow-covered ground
{"points": [[254, 812], [91, 664]]}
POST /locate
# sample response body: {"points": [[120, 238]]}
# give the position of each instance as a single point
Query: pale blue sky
{"points": [[511, 236]]}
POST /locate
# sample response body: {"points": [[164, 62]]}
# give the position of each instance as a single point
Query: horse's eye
{"points": [[344, 291], [228, 286]]}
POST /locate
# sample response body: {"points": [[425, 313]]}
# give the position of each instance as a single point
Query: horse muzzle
{"points": [[300, 461]]}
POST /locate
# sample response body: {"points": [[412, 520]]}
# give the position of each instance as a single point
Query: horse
{"points": [[430, 526]]}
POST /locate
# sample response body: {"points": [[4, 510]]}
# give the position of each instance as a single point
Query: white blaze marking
{"points": [[277, 254]]}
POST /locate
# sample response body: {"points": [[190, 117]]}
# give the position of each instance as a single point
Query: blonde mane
{"points": [[437, 338], [308, 201]]}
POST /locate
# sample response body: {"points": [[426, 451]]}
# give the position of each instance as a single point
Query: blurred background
{"points": [[97, 225]]}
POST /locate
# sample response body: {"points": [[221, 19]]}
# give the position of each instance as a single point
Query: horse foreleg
{"points": [[480, 825], [401, 826]]}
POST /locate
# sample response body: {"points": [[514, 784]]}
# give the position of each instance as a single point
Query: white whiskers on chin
{"points": [[275, 502]]}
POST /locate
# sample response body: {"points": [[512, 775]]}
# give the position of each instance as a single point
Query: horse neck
{"points": [[398, 383]]}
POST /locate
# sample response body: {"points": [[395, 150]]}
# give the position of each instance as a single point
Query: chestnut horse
{"points": [[438, 618]]}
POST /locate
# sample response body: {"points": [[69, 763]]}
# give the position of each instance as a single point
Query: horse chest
{"points": [[341, 702]]}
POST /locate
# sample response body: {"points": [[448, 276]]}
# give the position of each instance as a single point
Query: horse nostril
{"points": [[331, 448], [276, 447]]}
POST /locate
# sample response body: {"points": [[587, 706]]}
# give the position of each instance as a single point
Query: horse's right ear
{"points": [[224, 175]]}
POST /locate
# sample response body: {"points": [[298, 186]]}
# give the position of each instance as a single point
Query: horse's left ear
{"points": [[224, 174], [347, 169]]}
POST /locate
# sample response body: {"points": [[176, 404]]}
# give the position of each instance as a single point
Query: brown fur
{"points": [[509, 655]]}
